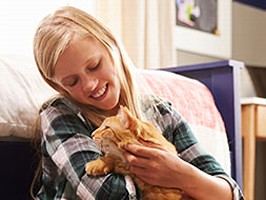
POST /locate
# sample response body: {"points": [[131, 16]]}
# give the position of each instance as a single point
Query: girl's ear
{"points": [[127, 119]]}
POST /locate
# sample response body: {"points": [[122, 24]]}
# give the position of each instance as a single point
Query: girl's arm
{"points": [[149, 161], [193, 170], [67, 147]]}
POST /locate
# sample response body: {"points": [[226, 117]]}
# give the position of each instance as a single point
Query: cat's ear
{"points": [[126, 117]]}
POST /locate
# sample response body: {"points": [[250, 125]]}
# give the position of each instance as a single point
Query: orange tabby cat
{"points": [[114, 133]]}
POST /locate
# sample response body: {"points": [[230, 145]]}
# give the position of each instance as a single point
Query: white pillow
{"points": [[22, 93]]}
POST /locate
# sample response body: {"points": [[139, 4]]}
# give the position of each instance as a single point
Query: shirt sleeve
{"points": [[191, 151], [67, 143], [177, 131]]}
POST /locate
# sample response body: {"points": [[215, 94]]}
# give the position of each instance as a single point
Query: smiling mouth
{"points": [[100, 93]]}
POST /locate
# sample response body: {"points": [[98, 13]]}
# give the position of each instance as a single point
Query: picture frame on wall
{"points": [[204, 27]]}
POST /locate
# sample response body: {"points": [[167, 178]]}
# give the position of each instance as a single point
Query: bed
{"points": [[222, 78], [193, 90]]}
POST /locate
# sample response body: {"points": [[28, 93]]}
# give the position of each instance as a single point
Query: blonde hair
{"points": [[54, 34]]}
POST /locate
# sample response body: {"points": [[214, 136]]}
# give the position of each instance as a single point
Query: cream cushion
{"points": [[22, 92]]}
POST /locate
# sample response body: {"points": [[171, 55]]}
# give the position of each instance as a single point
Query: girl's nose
{"points": [[89, 84]]}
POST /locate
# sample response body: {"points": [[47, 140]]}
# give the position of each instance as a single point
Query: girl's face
{"points": [[86, 71]]}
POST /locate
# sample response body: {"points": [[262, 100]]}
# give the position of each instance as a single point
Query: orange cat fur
{"points": [[114, 133]]}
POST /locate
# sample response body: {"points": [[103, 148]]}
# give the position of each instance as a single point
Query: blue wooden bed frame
{"points": [[19, 161], [223, 80]]}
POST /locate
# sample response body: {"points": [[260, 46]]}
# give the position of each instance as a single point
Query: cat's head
{"points": [[121, 129]]}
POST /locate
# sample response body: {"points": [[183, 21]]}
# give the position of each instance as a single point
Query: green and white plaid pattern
{"points": [[67, 147]]}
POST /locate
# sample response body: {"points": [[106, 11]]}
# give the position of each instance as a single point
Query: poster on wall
{"points": [[197, 14], [204, 27]]}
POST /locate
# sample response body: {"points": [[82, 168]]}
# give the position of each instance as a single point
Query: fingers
{"points": [[144, 168], [136, 150], [147, 150], [153, 145], [136, 158], [142, 157], [144, 174], [141, 166]]}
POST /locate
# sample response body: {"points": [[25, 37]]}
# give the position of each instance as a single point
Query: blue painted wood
{"points": [[255, 3], [223, 80]]}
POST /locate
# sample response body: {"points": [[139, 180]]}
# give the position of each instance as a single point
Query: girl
{"points": [[83, 61]]}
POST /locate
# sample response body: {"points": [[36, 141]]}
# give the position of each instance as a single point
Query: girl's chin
{"points": [[109, 108], [108, 105]]}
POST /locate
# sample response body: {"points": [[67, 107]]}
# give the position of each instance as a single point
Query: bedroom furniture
{"points": [[223, 80], [253, 129], [18, 163], [215, 110]]}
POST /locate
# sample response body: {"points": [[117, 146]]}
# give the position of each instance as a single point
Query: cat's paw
{"points": [[97, 167]]}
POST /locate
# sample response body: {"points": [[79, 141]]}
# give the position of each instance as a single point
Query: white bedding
{"points": [[22, 92], [195, 102]]}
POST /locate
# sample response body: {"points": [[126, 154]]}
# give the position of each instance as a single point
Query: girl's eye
{"points": [[71, 83], [94, 67]]}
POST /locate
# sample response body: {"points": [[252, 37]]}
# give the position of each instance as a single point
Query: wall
{"points": [[188, 58], [18, 20], [248, 38], [249, 46], [249, 31]]}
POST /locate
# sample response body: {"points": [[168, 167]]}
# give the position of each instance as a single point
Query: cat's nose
{"points": [[93, 134]]}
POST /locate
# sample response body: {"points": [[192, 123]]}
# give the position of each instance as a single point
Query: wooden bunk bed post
{"points": [[223, 80]]}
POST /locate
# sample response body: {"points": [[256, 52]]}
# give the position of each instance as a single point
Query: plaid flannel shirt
{"points": [[67, 146]]}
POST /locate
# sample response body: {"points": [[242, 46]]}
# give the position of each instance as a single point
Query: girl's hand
{"points": [[156, 165]]}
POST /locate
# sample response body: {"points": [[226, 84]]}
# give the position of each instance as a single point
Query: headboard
{"points": [[223, 80]]}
